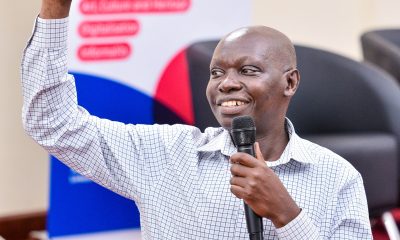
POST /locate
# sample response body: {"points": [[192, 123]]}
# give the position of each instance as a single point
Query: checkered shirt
{"points": [[177, 175]]}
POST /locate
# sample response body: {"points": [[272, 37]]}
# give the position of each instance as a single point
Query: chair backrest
{"points": [[340, 95], [352, 108], [382, 48]]}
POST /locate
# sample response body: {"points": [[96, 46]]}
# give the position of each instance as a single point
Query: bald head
{"points": [[279, 50]]}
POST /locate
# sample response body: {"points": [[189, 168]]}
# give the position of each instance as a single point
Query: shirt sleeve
{"points": [[351, 219], [107, 152], [299, 228]]}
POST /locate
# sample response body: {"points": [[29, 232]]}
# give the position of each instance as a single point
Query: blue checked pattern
{"points": [[177, 175]]}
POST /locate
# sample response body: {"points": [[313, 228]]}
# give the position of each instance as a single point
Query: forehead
{"points": [[242, 46]]}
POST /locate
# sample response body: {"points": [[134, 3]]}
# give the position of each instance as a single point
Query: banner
{"points": [[128, 56]]}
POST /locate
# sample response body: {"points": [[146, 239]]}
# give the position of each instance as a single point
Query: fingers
{"points": [[240, 170], [238, 181], [244, 159], [238, 187], [243, 188], [243, 164], [238, 191], [247, 160]]}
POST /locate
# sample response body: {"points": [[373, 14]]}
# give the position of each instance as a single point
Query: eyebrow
{"points": [[241, 60]]}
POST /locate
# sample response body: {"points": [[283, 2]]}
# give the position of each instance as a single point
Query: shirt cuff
{"points": [[50, 33], [299, 228]]}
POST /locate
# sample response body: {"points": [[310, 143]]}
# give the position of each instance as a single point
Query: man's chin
{"points": [[226, 123]]}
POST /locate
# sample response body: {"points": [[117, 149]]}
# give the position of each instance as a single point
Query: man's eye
{"points": [[249, 71], [216, 73]]}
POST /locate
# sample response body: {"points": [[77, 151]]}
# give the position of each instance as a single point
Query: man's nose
{"points": [[229, 83]]}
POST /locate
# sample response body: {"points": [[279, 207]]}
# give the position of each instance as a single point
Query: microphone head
{"points": [[243, 131], [242, 122]]}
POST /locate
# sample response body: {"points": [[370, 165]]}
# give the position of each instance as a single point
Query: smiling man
{"points": [[190, 184], [253, 72]]}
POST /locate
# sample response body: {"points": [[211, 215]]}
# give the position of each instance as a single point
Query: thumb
{"points": [[257, 149]]}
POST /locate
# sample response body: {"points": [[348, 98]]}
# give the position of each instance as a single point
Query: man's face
{"points": [[246, 80]]}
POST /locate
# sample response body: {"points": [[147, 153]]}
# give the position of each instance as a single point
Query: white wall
{"points": [[333, 25], [23, 165]]}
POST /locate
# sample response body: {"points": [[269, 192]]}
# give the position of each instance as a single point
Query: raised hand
{"points": [[53, 9]]}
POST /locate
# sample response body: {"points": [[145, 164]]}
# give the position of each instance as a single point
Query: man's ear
{"points": [[292, 82]]}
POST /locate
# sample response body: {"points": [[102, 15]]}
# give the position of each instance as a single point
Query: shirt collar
{"points": [[296, 149], [221, 142]]}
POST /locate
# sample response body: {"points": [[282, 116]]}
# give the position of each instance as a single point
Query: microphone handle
{"points": [[254, 222]]}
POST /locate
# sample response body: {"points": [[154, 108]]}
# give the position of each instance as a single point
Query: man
{"points": [[188, 184]]}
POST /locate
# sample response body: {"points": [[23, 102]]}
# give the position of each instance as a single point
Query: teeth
{"points": [[232, 103]]}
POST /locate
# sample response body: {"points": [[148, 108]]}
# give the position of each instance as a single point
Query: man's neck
{"points": [[274, 143]]}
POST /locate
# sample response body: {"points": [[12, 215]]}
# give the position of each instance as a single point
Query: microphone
{"points": [[244, 136]]}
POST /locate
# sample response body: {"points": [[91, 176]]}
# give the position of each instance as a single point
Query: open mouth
{"points": [[232, 107], [232, 103]]}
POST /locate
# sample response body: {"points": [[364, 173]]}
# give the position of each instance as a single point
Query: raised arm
{"points": [[108, 152]]}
